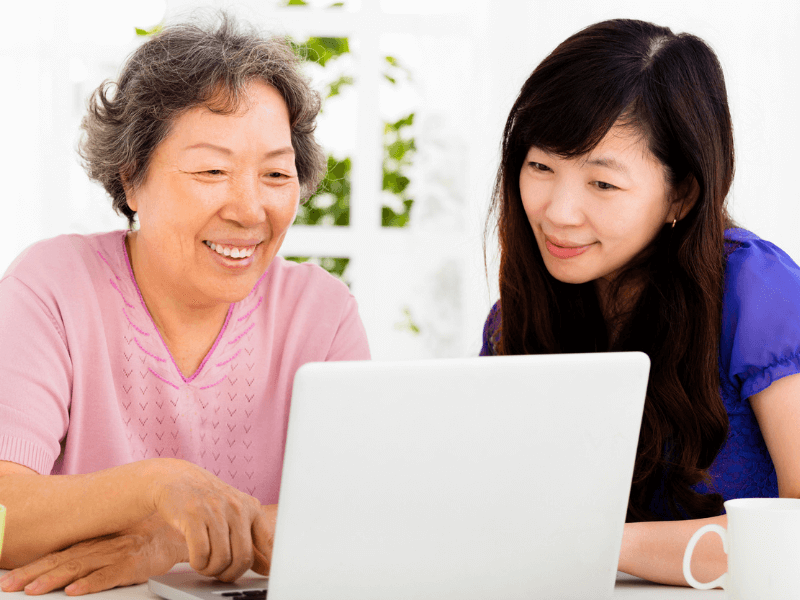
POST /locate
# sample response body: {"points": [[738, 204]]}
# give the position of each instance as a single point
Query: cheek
{"points": [[286, 207], [532, 201]]}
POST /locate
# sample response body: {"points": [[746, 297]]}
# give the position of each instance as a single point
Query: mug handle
{"points": [[687, 558]]}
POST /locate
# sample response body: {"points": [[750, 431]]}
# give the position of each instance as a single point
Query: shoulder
{"points": [[760, 339], [65, 257], [310, 310], [305, 291], [296, 279], [758, 271]]}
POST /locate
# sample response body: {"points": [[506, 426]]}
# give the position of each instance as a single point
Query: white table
{"points": [[628, 587]]}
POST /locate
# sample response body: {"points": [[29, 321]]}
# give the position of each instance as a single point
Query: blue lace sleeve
{"points": [[491, 329], [760, 340]]}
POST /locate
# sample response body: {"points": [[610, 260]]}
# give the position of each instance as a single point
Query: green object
{"points": [[336, 184], [152, 31]]}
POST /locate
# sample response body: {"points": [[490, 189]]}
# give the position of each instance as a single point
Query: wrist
{"points": [[170, 540], [155, 475], [629, 548]]}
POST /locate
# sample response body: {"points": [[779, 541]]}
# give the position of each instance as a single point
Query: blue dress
{"points": [[760, 343]]}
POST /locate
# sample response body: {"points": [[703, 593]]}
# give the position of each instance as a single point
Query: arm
{"points": [[654, 551], [150, 547], [220, 524], [46, 513]]}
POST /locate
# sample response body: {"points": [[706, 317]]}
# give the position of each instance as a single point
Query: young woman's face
{"points": [[592, 214]]}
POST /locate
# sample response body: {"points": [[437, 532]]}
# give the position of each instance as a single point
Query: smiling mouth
{"points": [[565, 251], [236, 252]]}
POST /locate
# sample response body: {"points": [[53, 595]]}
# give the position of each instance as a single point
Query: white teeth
{"points": [[231, 251]]}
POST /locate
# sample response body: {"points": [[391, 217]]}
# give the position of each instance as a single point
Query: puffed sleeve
{"points": [[491, 329], [760, 340], [35, 378]]}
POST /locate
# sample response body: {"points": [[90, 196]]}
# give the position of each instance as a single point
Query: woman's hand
{"points": [[223, 527], [131, 556], [263, 560]]}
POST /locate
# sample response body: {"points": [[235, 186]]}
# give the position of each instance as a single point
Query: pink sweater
{"points": [[87, 383]]}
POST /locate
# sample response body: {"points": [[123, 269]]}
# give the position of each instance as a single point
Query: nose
{"points": [[564, 208], [246, 203]]}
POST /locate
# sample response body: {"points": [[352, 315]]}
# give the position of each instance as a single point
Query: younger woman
{"points": [[614, 236]]}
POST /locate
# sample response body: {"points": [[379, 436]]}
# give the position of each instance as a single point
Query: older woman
{"points": [[145, 375]]}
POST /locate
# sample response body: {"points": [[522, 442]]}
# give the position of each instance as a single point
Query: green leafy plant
{"points": [[398, 153], [331, 204]]}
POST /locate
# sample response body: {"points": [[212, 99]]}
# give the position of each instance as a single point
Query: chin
{"points": [[233, 291], [566, 277]]}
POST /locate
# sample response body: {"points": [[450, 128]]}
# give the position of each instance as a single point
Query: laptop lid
{"points": [[494, 477]]}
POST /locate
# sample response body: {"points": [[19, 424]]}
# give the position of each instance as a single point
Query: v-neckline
{"points": [[219, 337]]}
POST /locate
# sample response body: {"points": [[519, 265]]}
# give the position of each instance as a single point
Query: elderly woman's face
{"points": [[220, 193]]}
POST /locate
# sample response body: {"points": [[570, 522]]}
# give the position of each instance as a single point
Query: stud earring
{"points": [[673, 223]]}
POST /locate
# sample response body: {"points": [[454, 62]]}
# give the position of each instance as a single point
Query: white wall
{"points": [[484, 62]]}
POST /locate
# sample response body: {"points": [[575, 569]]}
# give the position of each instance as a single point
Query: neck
{"points": [[189, 330]]}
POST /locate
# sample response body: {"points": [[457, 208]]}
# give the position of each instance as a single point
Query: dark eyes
{"points": [[539, 166], [218, 172], [600, 185], [605, 186]]}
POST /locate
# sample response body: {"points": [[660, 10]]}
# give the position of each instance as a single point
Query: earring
{"points": [[673, 223]]}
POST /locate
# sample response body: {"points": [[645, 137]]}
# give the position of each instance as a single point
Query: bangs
{"points": [[577, 94], [573, 124]]}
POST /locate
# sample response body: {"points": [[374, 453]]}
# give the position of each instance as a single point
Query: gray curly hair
{"points": [[184, 66]]}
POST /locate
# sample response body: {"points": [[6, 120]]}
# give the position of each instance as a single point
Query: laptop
{"points": [[494, 477]]}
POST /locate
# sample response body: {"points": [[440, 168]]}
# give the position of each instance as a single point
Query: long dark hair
{"points": [[670, 88]]}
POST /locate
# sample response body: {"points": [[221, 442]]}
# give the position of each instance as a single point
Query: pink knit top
{"points": [[86, 382]]}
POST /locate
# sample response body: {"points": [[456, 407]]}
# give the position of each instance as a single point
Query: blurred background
{"points": [[416, 93]]}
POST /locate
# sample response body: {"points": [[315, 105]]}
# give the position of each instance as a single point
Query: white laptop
{"points": [[502, 478]]}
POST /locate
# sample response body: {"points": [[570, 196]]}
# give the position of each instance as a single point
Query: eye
{"points": [[213, 172], [602, 185], [276, 175], [539, 166]]}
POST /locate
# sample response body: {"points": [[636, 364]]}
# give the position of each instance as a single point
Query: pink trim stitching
{"points": [[162, 379], [205, 387], [114, 285], [252, 310], [100, 254], [222, 364], [135, 339], [131, 323], [241, 335]]}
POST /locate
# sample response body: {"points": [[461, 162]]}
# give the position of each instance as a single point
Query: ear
{"points": [[130, 194], [684, 198]]}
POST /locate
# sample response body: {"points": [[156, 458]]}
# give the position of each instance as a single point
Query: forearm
{"points": [[654, 551], [47, 513]]}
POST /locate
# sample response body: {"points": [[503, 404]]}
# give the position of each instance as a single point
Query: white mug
{"points": [[763, 547]]}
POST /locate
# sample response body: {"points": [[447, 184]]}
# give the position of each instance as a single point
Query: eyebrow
{"points": [[228, 151], [609, 163]]}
